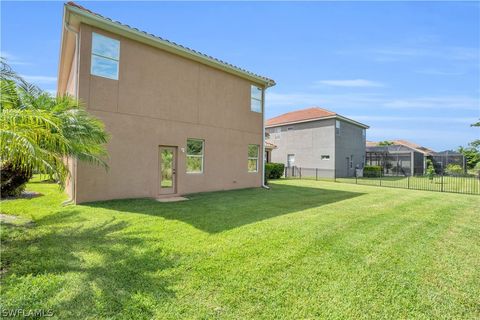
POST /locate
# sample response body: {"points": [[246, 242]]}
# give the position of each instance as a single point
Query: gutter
{"points": [[264, 161]]}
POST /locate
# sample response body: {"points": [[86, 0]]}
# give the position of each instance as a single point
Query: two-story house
{"points": [[316, 138], [180, 121]]}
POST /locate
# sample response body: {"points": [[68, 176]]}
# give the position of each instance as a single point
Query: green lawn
{"points": [[302, 250]]}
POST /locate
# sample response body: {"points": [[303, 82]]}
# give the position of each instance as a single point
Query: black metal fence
{"points": [[465, 184], [309, 173]]}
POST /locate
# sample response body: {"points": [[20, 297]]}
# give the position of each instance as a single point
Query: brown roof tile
{"points": [[300, 115]]}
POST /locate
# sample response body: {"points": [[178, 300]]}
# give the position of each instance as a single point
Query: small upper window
{"points": [[325, 157], [256, 99], [194, 156], [337, 127], [105, 56], [289, 128], [252, 158]]}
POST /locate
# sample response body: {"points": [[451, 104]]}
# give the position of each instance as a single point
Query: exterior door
{"points": [[167, 163]]}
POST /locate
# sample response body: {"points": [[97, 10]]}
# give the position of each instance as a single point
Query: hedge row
{"points": [[372, 171]]}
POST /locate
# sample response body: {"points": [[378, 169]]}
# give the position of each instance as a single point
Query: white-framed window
{"points": [[325, 157], [195, 155], [337, 127], [252, 157], [105, 56], [256, 99]]}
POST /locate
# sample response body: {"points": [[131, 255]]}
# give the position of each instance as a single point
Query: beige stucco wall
{"points": [[163, 99]]}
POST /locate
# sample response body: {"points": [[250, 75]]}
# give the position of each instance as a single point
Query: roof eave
{"points": [[317, 119], [114, 27]]}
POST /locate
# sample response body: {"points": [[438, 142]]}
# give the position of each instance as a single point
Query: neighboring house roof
{"points": [[95, 19], [415, 146], [426, 151], [306, 115], [269, 145]]}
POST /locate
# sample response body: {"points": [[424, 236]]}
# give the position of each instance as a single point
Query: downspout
{"points": [[263, 140], [77, 69]]}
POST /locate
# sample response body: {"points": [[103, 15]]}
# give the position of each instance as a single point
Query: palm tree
{"points": [[38, 132]]}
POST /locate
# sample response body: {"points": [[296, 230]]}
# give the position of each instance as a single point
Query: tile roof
{"points": [[300, 115], [413, 146], [194, 52], [371, 143], [404, 143]]}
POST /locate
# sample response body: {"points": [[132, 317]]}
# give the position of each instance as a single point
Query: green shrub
{"points": [[454, 169], [274, 170], [372, 171], [430, 172]]}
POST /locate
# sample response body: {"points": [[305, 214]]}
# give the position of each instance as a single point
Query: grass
{"points": [[304, 249]]}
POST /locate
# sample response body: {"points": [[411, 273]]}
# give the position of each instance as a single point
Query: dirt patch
{"points": [[15, 220]]}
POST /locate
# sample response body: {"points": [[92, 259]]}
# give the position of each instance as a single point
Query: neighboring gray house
{"points": [[316, 138]]}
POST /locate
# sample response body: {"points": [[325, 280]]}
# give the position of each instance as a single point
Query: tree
{"points": [[38, 132], [385, 143], [471, 154], [472, 151]]}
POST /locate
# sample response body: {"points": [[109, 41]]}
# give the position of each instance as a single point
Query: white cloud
{"points": [[39, 79], [349, 83], [13, 60], [440, 102], [461, 120], [420, 51], [370, 101]]}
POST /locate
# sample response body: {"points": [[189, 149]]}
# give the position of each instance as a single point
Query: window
{"points": [[337, 127], [325, 157], [256, 94], [351, 161], [290, 160], [105, 56], [252, 158], [194, 156], [289, 128], [364, 133]]}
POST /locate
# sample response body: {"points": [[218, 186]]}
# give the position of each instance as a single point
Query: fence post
{"points": [[356, 181], [380, 179], [442, 183], [300, 173], [408, 182], [316, 174]]}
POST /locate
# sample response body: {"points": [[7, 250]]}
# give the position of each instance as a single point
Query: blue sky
{"points": [[410, 70]]}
